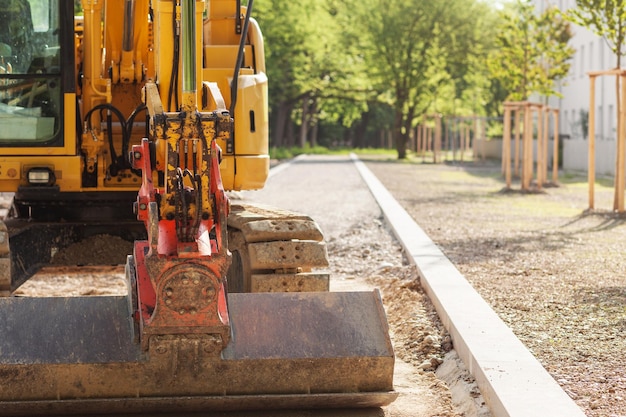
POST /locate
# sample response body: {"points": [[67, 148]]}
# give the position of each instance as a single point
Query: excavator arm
{"points": [[181, 268]]}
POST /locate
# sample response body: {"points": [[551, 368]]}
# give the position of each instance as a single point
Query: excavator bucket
{"points": [[80, 355]]}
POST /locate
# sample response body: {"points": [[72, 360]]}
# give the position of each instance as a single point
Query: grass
{"points": [[281, 152], [291, 152]]}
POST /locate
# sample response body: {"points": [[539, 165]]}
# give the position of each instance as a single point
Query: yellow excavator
{"points": [[134, 119]]}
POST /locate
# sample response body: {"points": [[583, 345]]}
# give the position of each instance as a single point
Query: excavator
{"points": [[135, 119]]}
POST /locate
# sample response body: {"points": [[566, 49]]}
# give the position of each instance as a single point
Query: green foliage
{"points": [[605, 18], [288, 47], [282, 153], [553, 39], [533, 51], [356, 70], [373, 151], [308, 60], [419, 55], [495, 130]]}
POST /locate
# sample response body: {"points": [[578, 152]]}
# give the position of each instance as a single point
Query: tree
{"points": [[412, 50], [533, 51], [605, 18], [314, 77], [556, 53], [290, 50], [336, 66]]}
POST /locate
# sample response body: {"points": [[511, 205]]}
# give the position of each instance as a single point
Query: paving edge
{"points": [[510, 378]]}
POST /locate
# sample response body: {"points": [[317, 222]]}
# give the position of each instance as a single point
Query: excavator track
{"points": [[275, 250]]}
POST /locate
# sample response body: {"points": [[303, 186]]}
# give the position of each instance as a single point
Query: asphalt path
{"points": [[327, 188]]}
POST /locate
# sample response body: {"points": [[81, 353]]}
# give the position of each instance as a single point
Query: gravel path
{"points": [[553, 273]]}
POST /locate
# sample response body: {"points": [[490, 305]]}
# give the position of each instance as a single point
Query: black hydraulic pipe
{"points": [[238, 17], [242, 44]]}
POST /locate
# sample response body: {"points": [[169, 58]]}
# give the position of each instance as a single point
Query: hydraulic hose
{"points": [[242, 43]]}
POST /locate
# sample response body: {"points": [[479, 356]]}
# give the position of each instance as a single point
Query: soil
{"points": [[69, 281], [95, 250], [94, 266]]}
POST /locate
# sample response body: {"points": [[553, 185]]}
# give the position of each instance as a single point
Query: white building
{"points": [[592, 54]]}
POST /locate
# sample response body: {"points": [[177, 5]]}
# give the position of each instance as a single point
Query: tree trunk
{"points": [[281, 119], [313, 123], [304, 122], [290, 136], [313, 135], [347, 139], [360, 129], [405, 133], [397, 135]]}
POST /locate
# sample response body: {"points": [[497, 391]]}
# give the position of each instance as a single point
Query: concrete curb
{"points": [[512, 381]]}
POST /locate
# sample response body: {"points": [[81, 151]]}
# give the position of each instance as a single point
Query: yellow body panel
{"points": [[251, 129], [66, 170], [252, 172]]}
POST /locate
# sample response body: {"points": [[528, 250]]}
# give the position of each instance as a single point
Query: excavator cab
{"points": [[134, 120]]}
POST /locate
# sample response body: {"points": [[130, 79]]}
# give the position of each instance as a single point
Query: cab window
{"points": [[30, 90]]}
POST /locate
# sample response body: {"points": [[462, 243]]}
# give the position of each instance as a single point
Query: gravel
{"points": [[552, 270]]}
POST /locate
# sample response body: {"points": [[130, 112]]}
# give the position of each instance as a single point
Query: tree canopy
{"points": [[532, 51], [359, 72], [605, 18]]}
